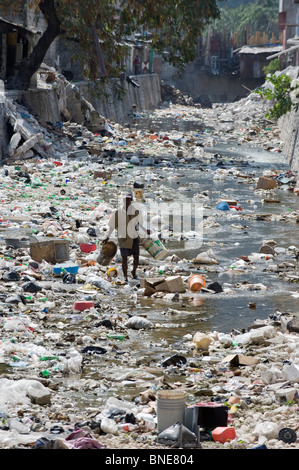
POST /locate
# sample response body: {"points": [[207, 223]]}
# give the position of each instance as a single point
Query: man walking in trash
{"points": [[126, 220]]}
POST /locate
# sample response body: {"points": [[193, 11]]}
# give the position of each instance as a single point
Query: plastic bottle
{"points": [[126, 427], [47, 358], [3, 417], [115, 336], [16, 358], [17, 362]]}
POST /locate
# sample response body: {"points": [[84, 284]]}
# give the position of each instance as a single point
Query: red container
{"points": [[88, 247], [223, 434], [83, 305]]}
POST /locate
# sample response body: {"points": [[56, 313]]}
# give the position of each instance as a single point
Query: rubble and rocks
{"points": [[82, 359]]}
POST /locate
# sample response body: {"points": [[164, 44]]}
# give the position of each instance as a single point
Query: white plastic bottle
{"points": [[126, 427]]}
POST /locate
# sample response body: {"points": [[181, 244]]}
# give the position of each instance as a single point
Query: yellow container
{"points": [[112, 272]]}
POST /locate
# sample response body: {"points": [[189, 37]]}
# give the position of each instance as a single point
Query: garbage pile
{"points": [[245, 390], [171, 94], [81, 363]]}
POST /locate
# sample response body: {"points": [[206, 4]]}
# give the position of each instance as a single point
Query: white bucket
{"points": [[171, 406], [155, 248]]}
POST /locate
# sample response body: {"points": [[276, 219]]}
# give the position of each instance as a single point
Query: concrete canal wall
{"points": [[146, 96], [2, 128], [289, 127]]}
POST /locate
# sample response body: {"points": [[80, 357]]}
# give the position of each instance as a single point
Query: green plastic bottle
{"points": [[121, 337], [48, 358]]}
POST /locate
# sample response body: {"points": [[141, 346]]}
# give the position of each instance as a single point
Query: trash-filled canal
{"points": [[244, 245], [251, 284]]}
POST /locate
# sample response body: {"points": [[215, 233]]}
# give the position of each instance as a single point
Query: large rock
{"points": [[293, 325], [39, 396]]}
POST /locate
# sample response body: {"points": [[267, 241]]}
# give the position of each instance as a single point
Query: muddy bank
{"points": [[89, 378]]}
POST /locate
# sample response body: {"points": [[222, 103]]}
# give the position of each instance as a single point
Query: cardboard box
{"points": [[102, 174], [170, 285], [266, 183], [52, 250], [240, 360], [150, 281]]}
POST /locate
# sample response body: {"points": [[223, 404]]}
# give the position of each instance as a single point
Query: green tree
{"points": [[258, 15], [100, 27], [272, 67], [282, 91]]}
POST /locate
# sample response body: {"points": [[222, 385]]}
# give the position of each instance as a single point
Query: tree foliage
{"points": [[101, 27], [257, 15], [282, 91], [272, 67]]}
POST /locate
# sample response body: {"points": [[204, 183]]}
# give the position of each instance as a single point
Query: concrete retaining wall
{"points": [[289, 127], [44, 102], [146, 97]]}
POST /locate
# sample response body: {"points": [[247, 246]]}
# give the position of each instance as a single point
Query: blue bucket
{"points": [[222, 206], [68, 268]]}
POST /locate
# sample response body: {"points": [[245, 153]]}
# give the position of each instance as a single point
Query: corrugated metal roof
{"points": [[20, 26], [260, 50]]}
